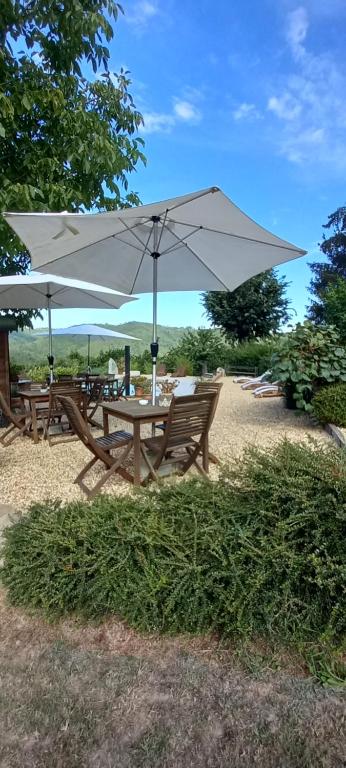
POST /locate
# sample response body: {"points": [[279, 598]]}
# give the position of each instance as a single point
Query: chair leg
{"points": [[91, 492], [24, 430], [193, 454], [152, 473]]}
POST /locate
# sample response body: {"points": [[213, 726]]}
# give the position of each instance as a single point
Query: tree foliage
{"points": [[198, 347], [327, 274], [335, 306], [254, 310], [68, 139]]}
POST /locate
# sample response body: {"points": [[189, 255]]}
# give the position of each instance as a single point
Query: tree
{"points": [[254, 310], [203, 346], [334, 306], [68, 139], [326, 274]]}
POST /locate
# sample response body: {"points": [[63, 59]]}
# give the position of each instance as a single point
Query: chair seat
{"points": [[155, 443], [114, 440]]}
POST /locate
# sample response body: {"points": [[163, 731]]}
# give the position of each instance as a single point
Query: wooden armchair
{"points": [[19, 425], [185, 436], [100, 447]]}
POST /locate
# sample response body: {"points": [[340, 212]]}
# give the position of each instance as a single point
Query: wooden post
{"points": [[5, 366]]}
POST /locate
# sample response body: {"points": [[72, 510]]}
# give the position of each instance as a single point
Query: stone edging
{"points": [[338, 437]]}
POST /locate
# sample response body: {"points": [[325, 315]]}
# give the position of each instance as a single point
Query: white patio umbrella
{"points": [[49, 292], [199, 241], [88, 330]]}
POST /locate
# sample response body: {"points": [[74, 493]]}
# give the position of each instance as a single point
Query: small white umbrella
{"points": [[35, 291], [88, 330], [199, 241]]}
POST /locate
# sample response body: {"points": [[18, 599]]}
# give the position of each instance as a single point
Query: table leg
{"points": [[34, 421], [105, 422], [206, 454], [136, 453]]}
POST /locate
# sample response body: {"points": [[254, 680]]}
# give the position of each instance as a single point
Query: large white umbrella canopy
{"points": [[199, 241], [87, 329], [35, 291]]}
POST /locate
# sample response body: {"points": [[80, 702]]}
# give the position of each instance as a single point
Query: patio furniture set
{"points": [[66, 410]]}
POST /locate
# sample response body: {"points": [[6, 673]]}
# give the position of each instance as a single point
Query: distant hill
{"points": [[28, 348]]}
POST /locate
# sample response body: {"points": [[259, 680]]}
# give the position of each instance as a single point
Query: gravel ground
{"points": [[31, 472]]}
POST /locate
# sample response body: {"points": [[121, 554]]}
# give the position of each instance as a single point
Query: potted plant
{"points": [[142, 385], [167, 387]]}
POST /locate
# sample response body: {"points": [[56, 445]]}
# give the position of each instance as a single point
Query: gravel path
{"points": [[31, 472]]}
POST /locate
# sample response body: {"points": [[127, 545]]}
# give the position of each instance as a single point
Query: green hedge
{"points": [[329, 405], [259, 552]]}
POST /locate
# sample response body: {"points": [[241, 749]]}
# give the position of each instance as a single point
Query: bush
{"points": [[252, 354], [330, 405], [259, 552], [308, 358]]}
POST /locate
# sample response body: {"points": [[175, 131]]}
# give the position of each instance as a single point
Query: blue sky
{"points": [[246, 96]]}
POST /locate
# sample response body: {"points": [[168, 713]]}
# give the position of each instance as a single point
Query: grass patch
{"points": [[68, 706], [259, 553]]}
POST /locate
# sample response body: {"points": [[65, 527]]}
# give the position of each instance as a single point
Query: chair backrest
{"points": [[81, 428], [96, 390], [6, 411], [69, 389], [189, 416], [209, 386]]}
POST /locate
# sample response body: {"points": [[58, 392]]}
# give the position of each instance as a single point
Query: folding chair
{"points": [[54, 426], [19, 423], [184, 437], [100, 447]]}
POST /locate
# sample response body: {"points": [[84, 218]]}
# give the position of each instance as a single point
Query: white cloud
{"points": [[246, 111], [309, 102], [162, 122], [157, 122], [287, 107], [184, 110], [142, 13], [297, 28]]}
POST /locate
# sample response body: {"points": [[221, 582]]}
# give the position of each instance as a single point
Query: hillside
{"points": [[28, 348]]}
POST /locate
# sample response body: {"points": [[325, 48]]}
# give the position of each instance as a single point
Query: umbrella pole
{"points": [[50, 355], [154, 344], [88, 368]]}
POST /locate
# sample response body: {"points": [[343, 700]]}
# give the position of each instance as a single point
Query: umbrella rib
{"points": [[97, 242], [180, 240], [130, 229], [141, 261], [241, 237], [162, 229], [205, 266]]}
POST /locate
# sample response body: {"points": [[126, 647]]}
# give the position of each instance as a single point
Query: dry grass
{"points": [[36, 472], [98, 697]]}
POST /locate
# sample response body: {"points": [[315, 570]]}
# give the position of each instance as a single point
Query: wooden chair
{"points": [[210, 386], [18, 423], [100, 447], [180, 371], [54, 426], [120, 394], [97, 394], [189, 418], [200, 388]]}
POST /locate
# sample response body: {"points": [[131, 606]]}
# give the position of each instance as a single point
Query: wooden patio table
{"points": [[137, 414], [31, 397]]}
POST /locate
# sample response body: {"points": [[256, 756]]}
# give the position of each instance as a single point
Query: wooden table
{"points": [[136, 415], [31, 397]]}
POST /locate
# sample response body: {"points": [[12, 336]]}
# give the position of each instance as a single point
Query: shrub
{"points": [[259, 552], [330, 405], [308, 358], [252, 354]]}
